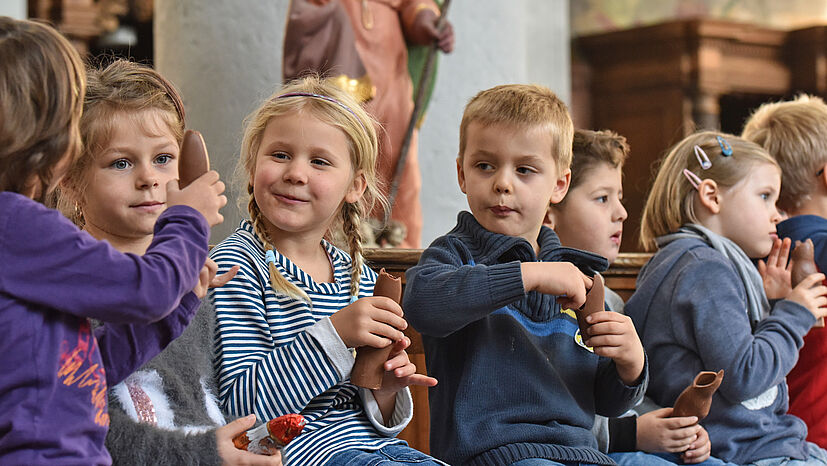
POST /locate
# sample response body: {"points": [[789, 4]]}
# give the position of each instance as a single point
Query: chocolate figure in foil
{"points": [[194, 160], [804, 264], [272, 435], [696, 399], [595, 302], [368, 370]]}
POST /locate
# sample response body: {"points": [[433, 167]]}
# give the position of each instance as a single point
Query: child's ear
{"points": [[710, 195], [548, 220], [357, 188], [561, 186], [461, 176], [822, 176]]}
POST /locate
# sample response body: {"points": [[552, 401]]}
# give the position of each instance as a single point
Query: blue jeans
{"points": [[545, 462], [639, 458], [390, 455], [817, 457]]}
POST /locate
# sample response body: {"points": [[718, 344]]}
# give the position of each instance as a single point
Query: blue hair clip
{"points": [[703, 159], [353, 299], [269, 256], [726, 149]]}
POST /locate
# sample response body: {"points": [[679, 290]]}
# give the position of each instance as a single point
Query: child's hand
{"points": [[613, 335], [230, 455], [776, 273], [561, 279], [810, 294], [204, 195], [400, 372], [374, 321], [657, 432], [700, 449], [208, 279]]}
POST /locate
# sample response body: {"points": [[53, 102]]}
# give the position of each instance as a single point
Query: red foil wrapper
{"points": [[272, 435]]}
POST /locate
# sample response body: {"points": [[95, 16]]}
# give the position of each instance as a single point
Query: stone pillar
{"points": [[14, 8], [225, 57]]}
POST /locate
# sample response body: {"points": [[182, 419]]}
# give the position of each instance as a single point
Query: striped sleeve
{"points": [[257, 372]]}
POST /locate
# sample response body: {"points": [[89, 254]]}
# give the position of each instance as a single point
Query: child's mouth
{"points": [[501, 210]]}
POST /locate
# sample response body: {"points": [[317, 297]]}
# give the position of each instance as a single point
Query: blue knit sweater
{"points": [[514, 381], [690, 312]]}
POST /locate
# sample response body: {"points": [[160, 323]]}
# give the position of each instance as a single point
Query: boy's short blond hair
{"points": [[522, 105], [795, 134]]}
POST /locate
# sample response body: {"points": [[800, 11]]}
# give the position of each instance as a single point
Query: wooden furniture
{"points": [[656, 84], [620, 277]]}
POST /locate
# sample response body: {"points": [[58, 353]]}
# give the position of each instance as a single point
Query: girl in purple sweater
{"points": [[53, 392]]}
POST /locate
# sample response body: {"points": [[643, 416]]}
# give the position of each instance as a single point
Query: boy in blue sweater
{"points": [[795, 135], [518, 383]]}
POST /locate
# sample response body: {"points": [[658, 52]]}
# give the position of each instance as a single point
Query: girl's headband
{"points": [[324, 97]]}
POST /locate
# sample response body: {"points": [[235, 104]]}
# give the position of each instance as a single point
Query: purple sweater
{"points": [[53, 277]]}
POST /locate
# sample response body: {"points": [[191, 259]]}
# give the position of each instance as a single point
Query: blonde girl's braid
{"points": [[279, 282], [351, 220]]}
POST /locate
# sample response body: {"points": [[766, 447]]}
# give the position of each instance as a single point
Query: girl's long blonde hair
{"points": [[330, 104], [670, 202]]}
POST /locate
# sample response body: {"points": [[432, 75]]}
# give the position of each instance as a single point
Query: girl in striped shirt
{"points": [[288, 321]]}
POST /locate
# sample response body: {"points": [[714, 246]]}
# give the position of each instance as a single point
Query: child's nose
{"points": [[502, 183], [295, 172], [147, 177], [620, 212]]}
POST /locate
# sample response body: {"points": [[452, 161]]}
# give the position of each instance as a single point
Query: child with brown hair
{"points": [[54, 278], [795, 134], [519, 384], [132, 128], [591, 218], [287, 322], [700, 302]]}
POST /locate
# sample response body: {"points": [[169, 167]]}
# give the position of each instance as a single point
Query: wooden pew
{"points": [[620, 277]]}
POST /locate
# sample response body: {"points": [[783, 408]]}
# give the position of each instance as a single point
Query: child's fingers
{"points": [[221, 280], [421, 380], [784, 254], [588, 282], [811, 280], [385, 303], [607, 316], [772, 258], [388, 318], [407, 370], [675, 423]]}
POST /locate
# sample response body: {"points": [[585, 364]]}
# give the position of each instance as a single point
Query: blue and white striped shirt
{"points": [[276, 355]]}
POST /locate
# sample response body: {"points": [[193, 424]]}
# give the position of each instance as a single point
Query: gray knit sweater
{"points": [[179, 377]]}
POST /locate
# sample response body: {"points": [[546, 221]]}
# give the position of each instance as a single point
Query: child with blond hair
{"points": [[700, 302], [133, 127], [53, 408], [795, 134], [288, 321], [519, 384]]}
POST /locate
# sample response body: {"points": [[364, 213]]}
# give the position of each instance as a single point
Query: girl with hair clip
{"points": [[700, 302], [56, 370], [288, 320], [132, 128]]}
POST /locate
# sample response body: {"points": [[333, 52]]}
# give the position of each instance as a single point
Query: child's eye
{"points": [[279, 155], [526, 170], [120, 164], [163, 159], [484, 166], [765, 196], [320, 162], [602, 199]]}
